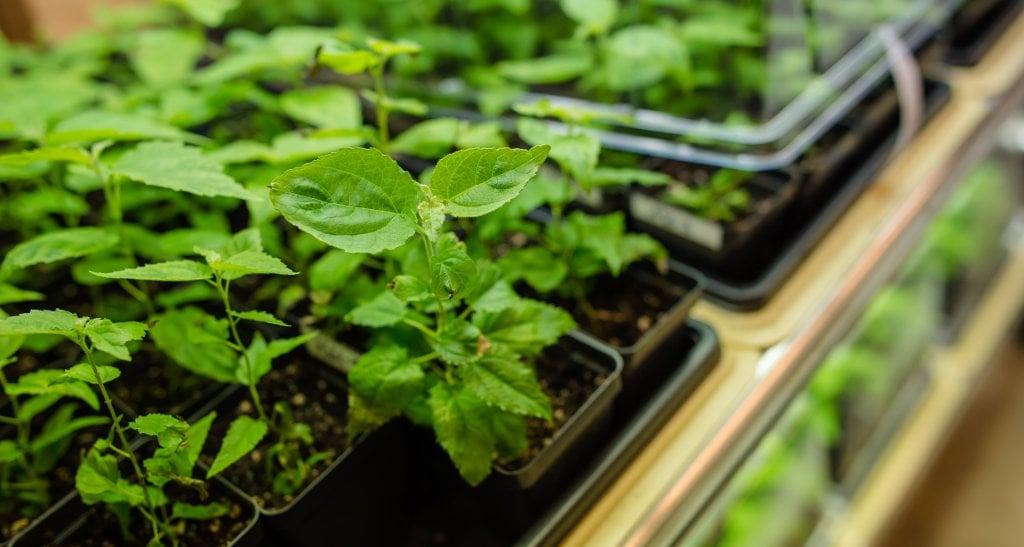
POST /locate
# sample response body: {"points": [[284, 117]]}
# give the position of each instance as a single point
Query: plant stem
{"points": [[223, 287], [429, 248], [140, 475]]}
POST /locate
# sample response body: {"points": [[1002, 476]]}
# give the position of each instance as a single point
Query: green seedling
{"points": [[213, 347], [454, 340]]}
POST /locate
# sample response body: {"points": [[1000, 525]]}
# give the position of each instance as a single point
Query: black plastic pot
{"points": [[444, 510], [717, 245], [977, 26], [67, 521], [364, 485]]}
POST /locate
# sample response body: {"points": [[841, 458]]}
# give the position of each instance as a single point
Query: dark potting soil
{"points": [[313, 399], [101, 528], [622, 308], [569, 384], [155, 386]]}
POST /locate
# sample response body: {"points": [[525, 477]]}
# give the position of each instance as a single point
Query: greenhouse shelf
{"points": [[789, 337]]}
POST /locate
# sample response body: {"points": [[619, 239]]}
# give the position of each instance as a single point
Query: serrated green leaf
{"points": [[509, 434], [358, 200], [382, 310], [174, 270], [386, 378], [197, 434], [432, 217], [504, 381], [98, 125], [250, 263], [111, 338], [327, 106], [243, 436], [52, 382], [189, 511], [479, 180], [59, 322], [259, 317], [431, 139], [68, 154], [169, 430], [332, 270], [462, 426], [409, 288], [179, 167], [196, 341], [458, 342], [98, 480], [210, 13], [491, 293], [83, 372], [527, 328], [59, 245], [452, 271]]}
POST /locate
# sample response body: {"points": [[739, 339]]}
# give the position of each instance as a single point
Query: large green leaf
{"points": [[179, 167], [59, 322], [526, 328], [327, 106], [174, 270], [243, 435], [462, 424], [249, 262], [431, 139], [59, 245], [479, 180], [504, 381], [386, 378], [358, 200]]}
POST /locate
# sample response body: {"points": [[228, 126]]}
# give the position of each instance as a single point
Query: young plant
{"points": [[453, 338], [721, 198], [345, 59], [98, 477], [214, 348], [570, 251], [27, 459]]}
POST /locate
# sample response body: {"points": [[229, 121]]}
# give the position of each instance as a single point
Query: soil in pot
{"points": [[314, 400], [145, 388]]}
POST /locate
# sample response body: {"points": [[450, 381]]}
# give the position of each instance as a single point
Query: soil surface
{"points": [[149, 385], [314, 400], [569, 383]]}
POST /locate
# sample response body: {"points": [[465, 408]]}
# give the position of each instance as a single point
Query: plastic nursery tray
{"points": [[797, 240], [549, 518], [977, 26], [811, 83]]}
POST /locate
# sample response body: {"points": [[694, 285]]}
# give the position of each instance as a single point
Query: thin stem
{"points": [[140, 475], [420, 327], [429, 248], [425, 358], [223, 286]]}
